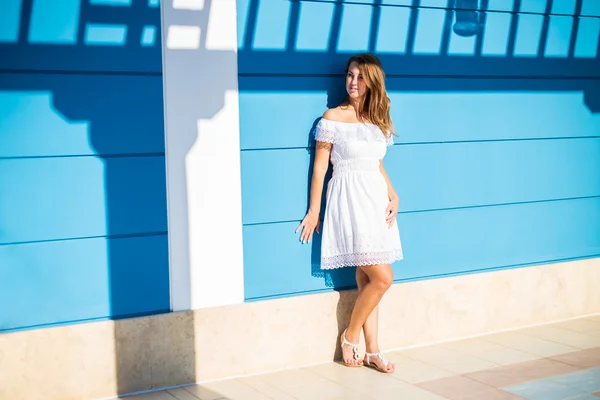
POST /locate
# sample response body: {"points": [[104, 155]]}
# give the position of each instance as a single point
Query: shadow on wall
{"points": [[297, 46], [421, 38]]}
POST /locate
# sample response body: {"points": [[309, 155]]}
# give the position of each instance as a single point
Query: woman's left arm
{"points": [[392, 209]]}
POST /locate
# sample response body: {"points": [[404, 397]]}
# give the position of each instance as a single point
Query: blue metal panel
{"points": [[116, 3], [559, 33], [271, 25], [533, 6], [82, 172], [529, 32], [566, 7], [46, 35], [244, 34], [66, 281], [276, 185], [392, 35], [280, 112], [497, 107], [586, 46], [496, 40], [438, 243], [591, 8], [353, 31], [270, 180], [10, 14], [429, 32], [66, 115], [277, 264], [54, 25], [76, 197], [314, 26], [432, 40], [105, 34]]}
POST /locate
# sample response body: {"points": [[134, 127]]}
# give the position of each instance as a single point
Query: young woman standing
{"points": [[359, 225]]}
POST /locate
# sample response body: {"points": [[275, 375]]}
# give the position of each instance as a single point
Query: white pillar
{"points": [[203, 153]]}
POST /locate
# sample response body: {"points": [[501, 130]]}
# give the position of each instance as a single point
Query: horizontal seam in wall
{"points": [[77, 72], [430, 277], [349, 2], [499, 140], [439, 142], [121, 236], [126, 155], [453, 208], [425, 76]]}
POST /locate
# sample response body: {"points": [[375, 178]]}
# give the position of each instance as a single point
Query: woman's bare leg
{"points": [[380, 279], [371, 325]]}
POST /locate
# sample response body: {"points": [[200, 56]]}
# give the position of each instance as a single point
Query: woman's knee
{"points": [[386, 281], [382, 276]]}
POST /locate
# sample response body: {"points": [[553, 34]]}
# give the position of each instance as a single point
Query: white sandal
{"points": [[355, 352], [375, 365]]}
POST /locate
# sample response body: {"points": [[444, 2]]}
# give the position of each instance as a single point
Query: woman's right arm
{"points": [[310, 223]]}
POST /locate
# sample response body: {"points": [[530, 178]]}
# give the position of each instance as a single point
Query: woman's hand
{"points": [[391, 212], [309, 225]]}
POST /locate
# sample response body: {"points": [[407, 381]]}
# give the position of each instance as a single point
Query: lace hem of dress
{"points": [[361, 259]]}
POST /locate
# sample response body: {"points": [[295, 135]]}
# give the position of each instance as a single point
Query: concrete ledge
{"points": [[101, 359]]}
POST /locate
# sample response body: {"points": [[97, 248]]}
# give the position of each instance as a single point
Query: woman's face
{"points": [[355, 83]]}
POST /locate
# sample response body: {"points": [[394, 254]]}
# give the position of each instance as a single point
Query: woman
{"points": [[359, 226]]}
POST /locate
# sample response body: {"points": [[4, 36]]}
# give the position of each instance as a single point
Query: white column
{"points": [[203, 153]]}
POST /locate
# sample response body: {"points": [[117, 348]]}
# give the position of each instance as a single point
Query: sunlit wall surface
{"points": [[497, 109], [83, 231]]}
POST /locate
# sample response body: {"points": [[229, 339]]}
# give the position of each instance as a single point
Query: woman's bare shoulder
{"points": [[334, 114]]}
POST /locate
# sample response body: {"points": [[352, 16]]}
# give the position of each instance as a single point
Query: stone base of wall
{"points": [[102, 359]]}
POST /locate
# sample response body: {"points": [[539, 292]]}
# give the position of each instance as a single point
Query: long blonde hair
{"points": [[376, 106]]}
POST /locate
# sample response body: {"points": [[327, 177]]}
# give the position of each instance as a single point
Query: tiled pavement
{"points": [[552, 362]]}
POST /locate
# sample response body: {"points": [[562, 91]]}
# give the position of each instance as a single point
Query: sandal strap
{"points": [[378, 355], [355, 350], [347, 343]]}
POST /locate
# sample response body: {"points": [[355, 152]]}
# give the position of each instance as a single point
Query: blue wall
{"points": [[497, 107], [83, 227]]}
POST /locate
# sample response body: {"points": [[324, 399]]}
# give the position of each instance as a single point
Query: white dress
{"points": [[354, 229]]}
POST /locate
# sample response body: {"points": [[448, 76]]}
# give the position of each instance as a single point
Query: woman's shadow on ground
{"points": [[341, 280]]}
